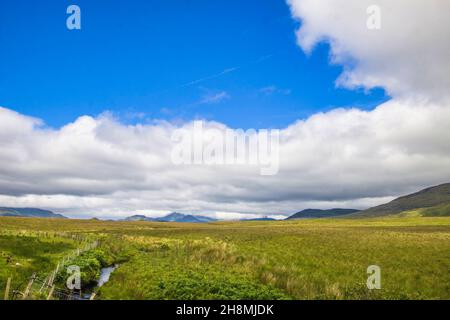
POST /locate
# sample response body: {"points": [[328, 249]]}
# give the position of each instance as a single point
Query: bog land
{"points": [[293, 259]]}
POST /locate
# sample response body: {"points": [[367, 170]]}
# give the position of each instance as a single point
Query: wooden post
{"points": [[50, 279], [43, 285], [30, 283], [92, 296], [50, 293], [8, 284], [57, 269], [53, 275]]}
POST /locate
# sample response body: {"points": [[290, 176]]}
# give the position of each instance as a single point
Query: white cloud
{"points": [[98, 166], [409, 55], [342, 158]]}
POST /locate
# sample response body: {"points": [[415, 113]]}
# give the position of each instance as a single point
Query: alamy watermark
{"points": [[374, 279], [373, 22], [373, 17], [219, 146], [73, 21], [74, 279]]}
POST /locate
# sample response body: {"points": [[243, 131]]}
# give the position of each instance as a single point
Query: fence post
{"points": [[50, 278], [50, 293], [57, 269], [30, 283], [8, 284], [43, 284]]}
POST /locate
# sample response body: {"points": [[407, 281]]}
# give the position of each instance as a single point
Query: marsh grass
{"points": [[22, 254], [308, 259]]}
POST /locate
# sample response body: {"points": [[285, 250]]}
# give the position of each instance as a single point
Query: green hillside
{"points": [[28, 212], [318, 213], [433, 201], [442, 210]]}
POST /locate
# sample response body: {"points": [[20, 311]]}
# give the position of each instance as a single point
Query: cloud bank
{"points": [[98, 166]]}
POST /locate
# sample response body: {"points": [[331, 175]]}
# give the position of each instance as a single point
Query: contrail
{"points": [[229, 70], [226, 71]]}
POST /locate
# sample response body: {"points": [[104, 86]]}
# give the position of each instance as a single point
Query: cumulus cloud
{"points": [[408, 56], [98, 166], [345, 157]]}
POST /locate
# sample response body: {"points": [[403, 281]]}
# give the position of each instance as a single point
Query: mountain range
{"points": [[172, 217], [432, 201]]}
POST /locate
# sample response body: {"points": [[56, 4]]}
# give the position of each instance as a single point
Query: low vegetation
{"points": [[303, 259]]}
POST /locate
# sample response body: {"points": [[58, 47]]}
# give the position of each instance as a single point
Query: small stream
{"points": [[105, 273]]}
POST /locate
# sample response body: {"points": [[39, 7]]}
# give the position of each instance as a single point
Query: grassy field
{"points": [[307, 259]]}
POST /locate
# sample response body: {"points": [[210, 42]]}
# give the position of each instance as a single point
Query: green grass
{"points": [[442, 210], [307, 259], [22, 254], [186, 270]]}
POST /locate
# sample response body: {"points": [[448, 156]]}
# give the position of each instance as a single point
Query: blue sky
{"points": [[235, 62]]}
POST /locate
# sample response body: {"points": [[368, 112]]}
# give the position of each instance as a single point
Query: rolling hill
{"points": [[172, 217], [432, 201], [138, 217], [28, 212], [318, 213], [442, 210]]}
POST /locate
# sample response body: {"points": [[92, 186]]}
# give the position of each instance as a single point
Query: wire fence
{"points": [[38, 288], [44, 287]]}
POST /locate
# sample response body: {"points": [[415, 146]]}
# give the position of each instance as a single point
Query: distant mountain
{"points": [[172, 217], [138, 217], [432, 201], [318, 213], [259, 219], [28, 212]]}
